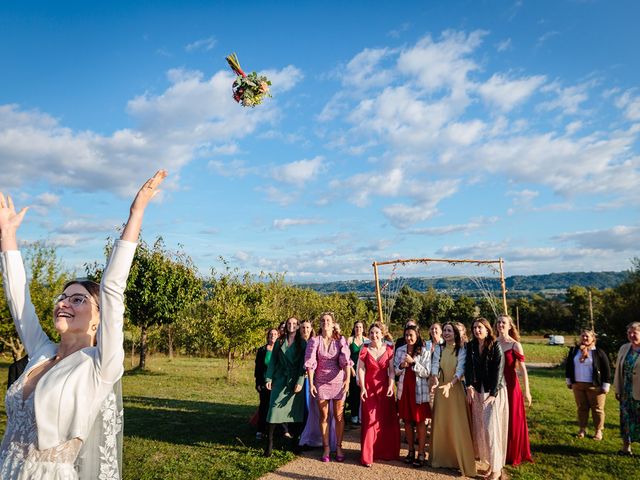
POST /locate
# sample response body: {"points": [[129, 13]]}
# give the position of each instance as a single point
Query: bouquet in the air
{"points": [[248, 90]]}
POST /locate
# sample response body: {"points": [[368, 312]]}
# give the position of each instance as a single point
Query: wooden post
{"points": [[593, 327], [517, 318], [378, 293], [504, 287]]}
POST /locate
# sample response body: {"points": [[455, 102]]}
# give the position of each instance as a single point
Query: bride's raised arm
{"points": [[15, 278], [114, 283]]}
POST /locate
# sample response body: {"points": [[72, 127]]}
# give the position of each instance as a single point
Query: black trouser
{"points": [[263, 409], [353, 400]]}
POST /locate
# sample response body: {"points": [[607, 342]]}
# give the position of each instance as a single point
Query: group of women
{"points": [[588, 375], [468, 391]]}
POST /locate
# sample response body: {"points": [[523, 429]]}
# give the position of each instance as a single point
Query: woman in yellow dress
{"points": [[451, 445]]}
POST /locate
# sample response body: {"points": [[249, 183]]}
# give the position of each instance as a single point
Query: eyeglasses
{"points": [[75, 299]]}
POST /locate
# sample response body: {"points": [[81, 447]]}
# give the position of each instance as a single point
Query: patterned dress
{"points": [[20, 458], [629, 408], [328, 364]]}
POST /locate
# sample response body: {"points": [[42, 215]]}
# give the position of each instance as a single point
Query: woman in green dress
{"points": [[355, 342], [626, 382], [285, 378]]}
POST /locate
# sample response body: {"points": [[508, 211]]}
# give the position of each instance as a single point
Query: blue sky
{"points": [[459, 129]]}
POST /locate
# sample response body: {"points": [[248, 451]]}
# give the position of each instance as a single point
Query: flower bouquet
{"points": [[248, 90]]}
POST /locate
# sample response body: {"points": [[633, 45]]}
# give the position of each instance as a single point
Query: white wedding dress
{"points": [[20, 458]]}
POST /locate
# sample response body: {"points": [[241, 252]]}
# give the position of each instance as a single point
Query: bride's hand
{"points": [[9, 219], [144, 196], [148, 191], [9, 223]]}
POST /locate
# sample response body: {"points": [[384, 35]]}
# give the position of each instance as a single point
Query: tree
{"points": [[234, 315], [407, 307], [162, 285], [46, 279]]}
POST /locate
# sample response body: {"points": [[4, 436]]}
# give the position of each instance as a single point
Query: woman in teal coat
{"points": [[285, 378]]}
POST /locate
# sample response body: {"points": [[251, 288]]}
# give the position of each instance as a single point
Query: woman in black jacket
{"points": [[262, 362], [487, 396], [588, 374]]}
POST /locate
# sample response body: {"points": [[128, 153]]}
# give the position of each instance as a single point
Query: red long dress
{"points": [[380, 433], [518, 449]]}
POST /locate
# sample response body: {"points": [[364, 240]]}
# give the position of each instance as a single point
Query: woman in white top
{"points": [[63, 416]]}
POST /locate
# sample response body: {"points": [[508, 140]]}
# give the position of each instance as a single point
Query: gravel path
{"points": [[309, 467]]}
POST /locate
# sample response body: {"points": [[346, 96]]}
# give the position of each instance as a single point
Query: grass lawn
{"points": [[183, 421], [541, 353], [552, 428]]}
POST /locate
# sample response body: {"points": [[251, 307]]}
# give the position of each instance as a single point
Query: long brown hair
{"points": [[491, 337], [417, 348], [457, 339]]}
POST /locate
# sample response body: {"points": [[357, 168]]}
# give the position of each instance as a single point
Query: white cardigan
{"points": [[69, 396]]}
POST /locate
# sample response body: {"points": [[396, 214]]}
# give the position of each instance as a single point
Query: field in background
{"points": [[183, 421]]}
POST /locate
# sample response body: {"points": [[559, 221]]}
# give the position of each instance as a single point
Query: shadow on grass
{"points": [[137, 372], [565, 449], [188, 422]]}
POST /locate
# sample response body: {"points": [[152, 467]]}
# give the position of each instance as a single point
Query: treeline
{"points": [[518, 285], [170, 307]]}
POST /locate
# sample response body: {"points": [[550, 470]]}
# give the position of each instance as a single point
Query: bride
{"points": [[64, 413]]}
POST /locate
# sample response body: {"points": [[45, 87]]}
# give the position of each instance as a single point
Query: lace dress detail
{"points": [[20, 458]]}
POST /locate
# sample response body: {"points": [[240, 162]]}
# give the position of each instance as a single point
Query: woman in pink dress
{"points": [[380, 433], [328, 365], [518, 449]]}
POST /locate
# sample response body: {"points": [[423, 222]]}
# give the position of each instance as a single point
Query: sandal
{"points": [[581, 434], [419, 462], [598, 435], [411, 457]]}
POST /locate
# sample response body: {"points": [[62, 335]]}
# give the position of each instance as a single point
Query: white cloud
{"points": [[48, 199], [360, 187], [285, 79], [283, 223], [424, 205], [620, 238], [364, 70], [504, 45], [523, 197], [472, 225], [193, 114], [441, 64], [546, 36], [205, 44], [242, 256], [235, 168], [83, 225], [630, 103], [279, 196], [506, 93], [299, 172], [568, 99]]}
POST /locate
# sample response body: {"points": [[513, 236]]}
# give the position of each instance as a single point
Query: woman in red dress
{"points": [[380, 433], [412, 364], [518, 448]]}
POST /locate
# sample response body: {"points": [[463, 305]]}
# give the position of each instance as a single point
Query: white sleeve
{"points": [[22, 310], [110, 333], [462, 356], [422, 367], [435, 360], [402, 351]]}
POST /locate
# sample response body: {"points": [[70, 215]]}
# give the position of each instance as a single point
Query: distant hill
{"points": [[517, 285]]}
